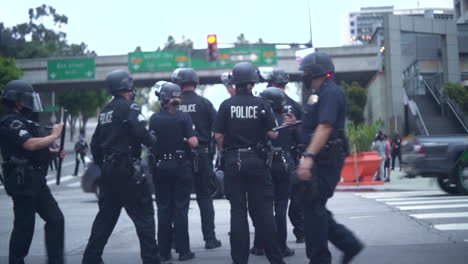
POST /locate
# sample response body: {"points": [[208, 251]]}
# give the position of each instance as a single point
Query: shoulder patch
{"points": [[313, 99], [23, 132], [16, 124], [135, 107]]}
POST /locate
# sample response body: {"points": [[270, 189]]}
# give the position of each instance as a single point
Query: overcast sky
{"points": [[117, 27]]}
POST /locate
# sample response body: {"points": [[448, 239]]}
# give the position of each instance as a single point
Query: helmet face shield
{"points": [[32, 101], [265, 73]]}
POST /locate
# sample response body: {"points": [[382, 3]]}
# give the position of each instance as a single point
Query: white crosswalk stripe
{"points": [[443, 212]]}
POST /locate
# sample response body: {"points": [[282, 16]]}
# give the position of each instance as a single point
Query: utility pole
{"points": [[310, 24]]}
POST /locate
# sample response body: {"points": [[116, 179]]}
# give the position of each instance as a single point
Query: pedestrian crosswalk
{"points": [[442, 211]]}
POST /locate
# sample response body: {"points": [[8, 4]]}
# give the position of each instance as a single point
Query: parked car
{"points": [[441, 157]]}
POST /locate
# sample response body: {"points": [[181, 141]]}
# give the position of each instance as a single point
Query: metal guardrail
{"points": [[452, 105], [416, 114]]}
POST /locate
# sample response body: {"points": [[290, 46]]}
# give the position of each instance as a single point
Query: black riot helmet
{"points": [[24, 92], [275, 97], [244, 73], [274, 75], [120, 80], [185, 76], [316, 65], [166, 91], [226, 78]]}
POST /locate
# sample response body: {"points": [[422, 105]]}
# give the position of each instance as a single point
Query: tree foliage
{"points": [[172, 44], [33, 39], [241, 41], [356, 96], [8, 72], [361, 135], [458, 93]]}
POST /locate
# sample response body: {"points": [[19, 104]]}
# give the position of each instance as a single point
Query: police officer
{"points": [[226, 80], [281, 167], [241, 128], [26, 152], [203, 115], [172, 168], [322, 161], [116, 149], [279, 78]]}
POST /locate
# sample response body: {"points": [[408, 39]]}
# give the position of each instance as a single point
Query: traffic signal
{"points": [[212, 47]]}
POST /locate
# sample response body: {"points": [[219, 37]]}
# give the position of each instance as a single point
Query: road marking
{"points": [[397, 194], [428, 202], [456, 226], [428, 207], [419, 198], [62, 180], [359, 217], [439, 215], [75, 184]]}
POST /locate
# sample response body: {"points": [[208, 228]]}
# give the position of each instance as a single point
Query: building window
{"points": [[352, 31], [351, 23]]}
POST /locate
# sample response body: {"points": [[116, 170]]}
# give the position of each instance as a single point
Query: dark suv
{"points": [[443, 157]]}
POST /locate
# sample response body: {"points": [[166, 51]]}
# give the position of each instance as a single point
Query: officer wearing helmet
{"points": [[116, 148], [241, 129], [172, 168], [279, 78], [281, 166], [226, 80], [26, 153], [203, 114], [320, 167]]}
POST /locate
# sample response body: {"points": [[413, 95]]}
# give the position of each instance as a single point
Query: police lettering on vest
{"points": [[244, 112], [189, 108], [106, 118]]}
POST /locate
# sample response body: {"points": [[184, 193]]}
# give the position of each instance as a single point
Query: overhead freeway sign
{"points": [[69, 69], [264, 55]]}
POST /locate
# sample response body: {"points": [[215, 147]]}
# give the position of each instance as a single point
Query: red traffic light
{"points": [[211, 39]]}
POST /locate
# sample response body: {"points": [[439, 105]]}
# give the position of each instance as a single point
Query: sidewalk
{"points": [[398, 182]]}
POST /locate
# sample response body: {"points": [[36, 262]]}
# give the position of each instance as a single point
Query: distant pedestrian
{"points": [[388, 148], [81, 147], [396, 150], [379, 146]]}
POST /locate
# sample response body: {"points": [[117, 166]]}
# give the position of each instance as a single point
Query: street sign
{"points": [[158, 60], [164, 60], [70, 69]]}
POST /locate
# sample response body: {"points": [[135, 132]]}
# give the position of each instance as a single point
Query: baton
{"points": [[278, 128], [62, 143]]}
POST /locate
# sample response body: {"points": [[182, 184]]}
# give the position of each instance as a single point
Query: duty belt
{"points": [[244, 150], [178, 155]]}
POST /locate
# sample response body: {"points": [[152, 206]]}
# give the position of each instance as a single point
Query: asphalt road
{"points": [[422, 226]]}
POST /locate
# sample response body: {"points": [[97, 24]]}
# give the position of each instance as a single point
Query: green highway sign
{"points": [[70, 69], [158, 60], [264, 55], [228, 57], [51, 108]]}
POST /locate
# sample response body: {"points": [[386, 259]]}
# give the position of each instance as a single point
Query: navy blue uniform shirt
{"points": [[293, 107], [326, 105], [244, 120], [15, 130], [172, 130], [287, 137], [202, 112], [121, 129]]}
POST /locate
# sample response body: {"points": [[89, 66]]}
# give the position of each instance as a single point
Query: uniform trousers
{"points": [[118, 190], [281, 176], [25, 209], [320, 226], [248, 183], [205, 186], [173, 183]]}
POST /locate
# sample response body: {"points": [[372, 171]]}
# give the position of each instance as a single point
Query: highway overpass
{"points": [[353, 63]]}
